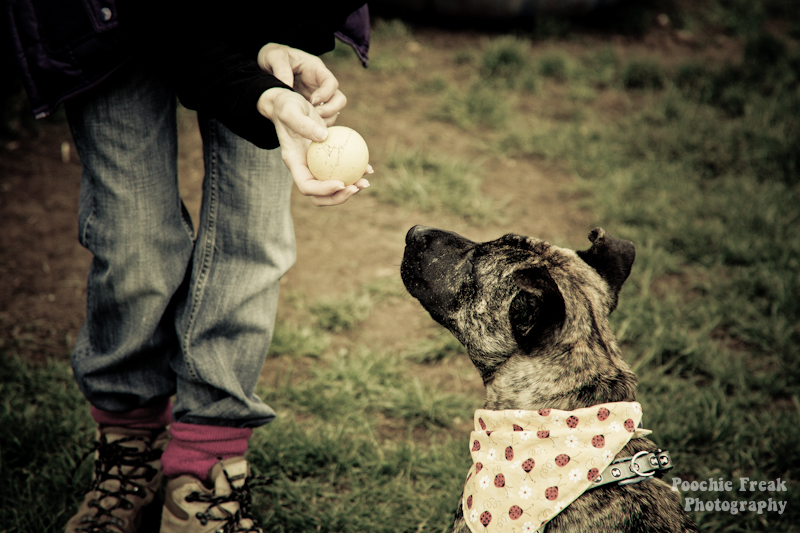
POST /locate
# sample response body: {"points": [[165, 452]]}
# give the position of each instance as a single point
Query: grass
{"points": [[46, 430], [427, 181], [302, 341], [478, 105], [366, 382], [506, 63], [698, 163], [441, 347]]}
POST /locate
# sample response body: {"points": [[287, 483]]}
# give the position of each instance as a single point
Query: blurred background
{"points": [[672, 123]]}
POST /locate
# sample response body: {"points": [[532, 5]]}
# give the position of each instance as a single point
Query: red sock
{"points": [[194, 449], [155, 417]]}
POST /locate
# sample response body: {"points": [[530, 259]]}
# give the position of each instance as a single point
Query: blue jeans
{"points": [[168, 314]]}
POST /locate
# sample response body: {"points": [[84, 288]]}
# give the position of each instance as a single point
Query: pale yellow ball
{"points": [[343, 156]]}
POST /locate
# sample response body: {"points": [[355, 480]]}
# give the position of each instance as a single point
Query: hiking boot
{"points": [[127, 474], [224, 507]]}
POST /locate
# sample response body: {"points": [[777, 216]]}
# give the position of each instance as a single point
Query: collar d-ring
{"points": [[635, 467]]}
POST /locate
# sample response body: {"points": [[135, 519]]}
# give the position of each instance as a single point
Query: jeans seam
{"points": [[186, 220], [86, 225], [208, 251]]}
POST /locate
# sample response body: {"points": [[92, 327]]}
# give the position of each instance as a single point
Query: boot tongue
{"points": [[114, 434], [113, 485], [237, 469]]}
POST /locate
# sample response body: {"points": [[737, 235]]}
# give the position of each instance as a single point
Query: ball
{"points": [[343, 156]]}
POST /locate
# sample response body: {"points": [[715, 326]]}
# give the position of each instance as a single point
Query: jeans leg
{"points": [[245, 244], [132, 219]]}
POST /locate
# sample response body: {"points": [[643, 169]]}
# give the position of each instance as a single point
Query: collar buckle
{"points": [[640, 467]]}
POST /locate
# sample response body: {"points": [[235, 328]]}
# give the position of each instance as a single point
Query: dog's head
{"points": [[515, 294]]}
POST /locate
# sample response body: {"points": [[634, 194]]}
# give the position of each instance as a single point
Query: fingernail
{"points": [[366, 185]]}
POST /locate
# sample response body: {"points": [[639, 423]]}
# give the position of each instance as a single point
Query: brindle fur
{"points": [[534, 320]]}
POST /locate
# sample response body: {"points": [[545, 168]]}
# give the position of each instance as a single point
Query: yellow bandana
{"points": [[529, 465]]}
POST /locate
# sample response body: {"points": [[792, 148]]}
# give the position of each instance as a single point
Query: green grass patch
{"points": [[339, 314], [643, 74], [554, 66], [506, 62], [441, 347], [334, 477], [345, 312], [300, 340], [46, 429], [478, 105], [430, 183], [353, 385]]}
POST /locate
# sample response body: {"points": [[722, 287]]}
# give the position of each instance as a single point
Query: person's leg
{"points": [[132, 220], [245, 245]]}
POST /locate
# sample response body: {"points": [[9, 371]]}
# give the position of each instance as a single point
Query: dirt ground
{"points": [[42, 266]]}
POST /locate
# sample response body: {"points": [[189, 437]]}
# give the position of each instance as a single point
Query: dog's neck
{"points": [[580, 375]]}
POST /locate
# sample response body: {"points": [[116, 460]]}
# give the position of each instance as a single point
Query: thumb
{"points": [[284, 73], [303, 125], [309, 128], [275, 60]]}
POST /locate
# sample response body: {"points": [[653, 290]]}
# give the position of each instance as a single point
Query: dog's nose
{"points": [[416, 232]]}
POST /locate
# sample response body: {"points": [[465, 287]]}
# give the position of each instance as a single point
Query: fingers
{"points": [[310, 127], [276, 60], [329, 111], [337, 198], [323, 192], [295, 117], [341, 196], [321, 81], [300, 70], [332, 106]]}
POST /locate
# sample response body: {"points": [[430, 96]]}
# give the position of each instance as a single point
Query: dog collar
{"points": [[629, 470], [528, 466], [640, 467]]}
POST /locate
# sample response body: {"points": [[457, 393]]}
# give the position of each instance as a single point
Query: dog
{"points": [[533, 318]]}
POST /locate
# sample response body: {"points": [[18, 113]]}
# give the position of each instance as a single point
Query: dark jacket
{"points": [[206, 54]]}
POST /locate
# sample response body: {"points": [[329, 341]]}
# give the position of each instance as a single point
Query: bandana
{"points": [[529, 465]]}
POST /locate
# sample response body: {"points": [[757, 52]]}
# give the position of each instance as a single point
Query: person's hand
{"points": [[307, 75], [298, 122]]}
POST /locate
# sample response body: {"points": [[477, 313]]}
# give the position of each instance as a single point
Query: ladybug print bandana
{"points": [[529, 465]]}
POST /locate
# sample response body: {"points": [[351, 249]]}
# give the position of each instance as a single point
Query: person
{"points": [[171, 314]]}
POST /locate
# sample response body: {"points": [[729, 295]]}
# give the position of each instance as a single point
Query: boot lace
{"points": [[111, 455], [232, 522]]}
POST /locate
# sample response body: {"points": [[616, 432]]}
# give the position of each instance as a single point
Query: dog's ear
{"points": [[537, 308], [611, 258]]}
